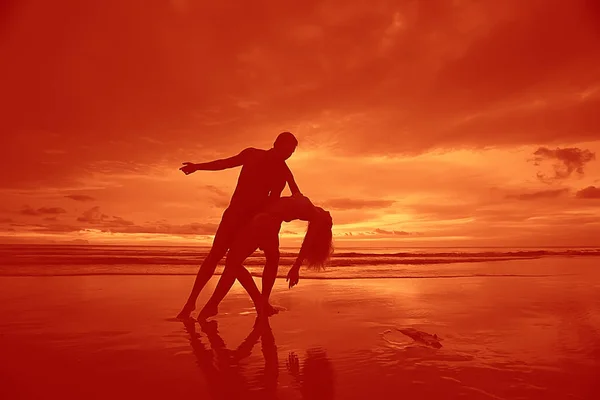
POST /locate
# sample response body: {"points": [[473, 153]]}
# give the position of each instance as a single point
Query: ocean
{"points": [[98, 322], [346, 263]]}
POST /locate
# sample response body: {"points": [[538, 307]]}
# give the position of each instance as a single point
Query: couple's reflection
{"points": [[224, 372], [315, 379]]}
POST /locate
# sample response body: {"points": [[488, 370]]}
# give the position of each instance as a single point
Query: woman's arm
{"points": [[293, 275]]}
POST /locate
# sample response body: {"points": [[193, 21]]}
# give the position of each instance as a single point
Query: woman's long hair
{"points": [[318, 241]]}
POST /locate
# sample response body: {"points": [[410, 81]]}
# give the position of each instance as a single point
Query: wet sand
{"points": [[99, 337]]}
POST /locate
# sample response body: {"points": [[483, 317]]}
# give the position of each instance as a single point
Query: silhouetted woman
{"points": [[262, 232]]}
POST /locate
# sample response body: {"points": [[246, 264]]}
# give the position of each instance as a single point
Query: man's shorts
{"points": [[232, 221]]}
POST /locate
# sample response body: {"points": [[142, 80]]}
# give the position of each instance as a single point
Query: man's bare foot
{"points": [[185, 313], [207, 312]]}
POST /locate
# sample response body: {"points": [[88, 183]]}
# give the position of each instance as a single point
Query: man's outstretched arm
{"points": [[218, 165]]}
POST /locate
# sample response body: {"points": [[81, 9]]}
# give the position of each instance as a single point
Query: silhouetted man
{"points": [[263, 178]]}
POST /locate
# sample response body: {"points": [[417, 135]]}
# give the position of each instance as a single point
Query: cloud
{"points": [[356, 204], [80, 197], [99, 220], [194, 228], [460, 74], [590, 192], [392, 233], [96, 217], [218, 197], [6, 220], [364, 82], [216, 190], [119, 225], [51, 210], [518, 50], [52, 228], [569, 160], [442, 211], [378, 232], [27, 210], [543, 194]]}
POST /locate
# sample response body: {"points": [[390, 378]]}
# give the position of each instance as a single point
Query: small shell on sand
{"points": [[422, 337]]}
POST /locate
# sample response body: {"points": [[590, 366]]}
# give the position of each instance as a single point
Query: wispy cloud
{"points": [[80, 197], [542, 194], [567, 161], [590, 192], [27, 210], [356, 204]]}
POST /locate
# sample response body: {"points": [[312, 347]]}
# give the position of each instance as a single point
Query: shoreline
{"points": [[113, 336]]}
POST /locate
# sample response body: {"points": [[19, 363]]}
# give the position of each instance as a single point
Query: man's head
{"points": [[285, 145]]}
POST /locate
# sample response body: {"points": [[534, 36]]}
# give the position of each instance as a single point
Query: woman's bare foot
{"points": [[208, 311], [270, 310], [185, 313]]}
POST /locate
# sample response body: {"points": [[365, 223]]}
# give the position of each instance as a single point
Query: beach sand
{"points": [[113, 337]]}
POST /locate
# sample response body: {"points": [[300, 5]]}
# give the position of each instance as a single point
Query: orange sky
{"points": [[438, 123]]}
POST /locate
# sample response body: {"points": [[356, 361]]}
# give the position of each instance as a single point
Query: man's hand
{"points": [[188, 168], [293, 276]]}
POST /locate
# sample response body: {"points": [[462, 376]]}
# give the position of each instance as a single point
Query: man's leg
{"points": [[223, 238], [206, 271]]}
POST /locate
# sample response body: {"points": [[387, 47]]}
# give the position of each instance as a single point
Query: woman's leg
{"points": [[271, 250], [225, 283], [243, 247], [246, 280]]}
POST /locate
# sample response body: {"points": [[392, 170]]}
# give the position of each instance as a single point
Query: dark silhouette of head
{"points": [[285, 145], [318, 240]]}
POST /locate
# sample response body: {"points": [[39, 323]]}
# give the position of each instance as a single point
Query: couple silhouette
{"points": [[253, 220]]}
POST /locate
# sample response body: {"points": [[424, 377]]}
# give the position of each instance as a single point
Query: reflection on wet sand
{"points": [[223, 368], [315, 379], [226, 377]]}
